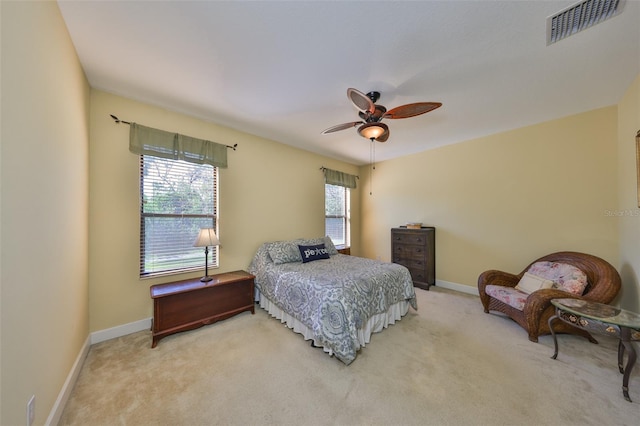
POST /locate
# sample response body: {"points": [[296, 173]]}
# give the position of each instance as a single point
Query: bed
{"points": [[335, 300]]}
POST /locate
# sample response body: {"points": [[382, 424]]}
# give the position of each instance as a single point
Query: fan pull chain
{"points": [[372, 162]]}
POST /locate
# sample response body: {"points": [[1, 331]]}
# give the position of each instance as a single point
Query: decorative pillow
{"points": [[530, 283], [328, 243], [287, 251], [565, 277], [284, 252], [310, 253]]}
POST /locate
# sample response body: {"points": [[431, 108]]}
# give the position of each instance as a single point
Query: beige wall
{"points": [[270, 191], [628, 212], [44, 263], [69, 202], [503, 200]]}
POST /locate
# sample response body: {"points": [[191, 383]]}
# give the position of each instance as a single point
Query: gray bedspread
{"points": [[333, 297]]}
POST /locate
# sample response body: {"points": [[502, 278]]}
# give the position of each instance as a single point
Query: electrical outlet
{"points": [[31, 410]]}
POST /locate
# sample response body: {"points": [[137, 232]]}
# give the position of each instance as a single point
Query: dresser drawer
{"points": [[408, 251], [407, 238], [411, 263], [418, 275]]}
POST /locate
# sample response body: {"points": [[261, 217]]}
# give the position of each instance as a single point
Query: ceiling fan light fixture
{"points": [[371, 115], [372, 130]]}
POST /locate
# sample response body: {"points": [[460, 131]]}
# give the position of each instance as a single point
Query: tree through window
{"points": [[176, 200], [336, 203]]}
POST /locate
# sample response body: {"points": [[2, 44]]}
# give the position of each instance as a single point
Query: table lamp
{"points": [[207, 237]]}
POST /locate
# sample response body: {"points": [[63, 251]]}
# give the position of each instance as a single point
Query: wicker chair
{"points": [[603, 284]]}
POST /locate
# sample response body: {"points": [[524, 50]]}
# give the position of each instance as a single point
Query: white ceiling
{"points": [[281, 69]]}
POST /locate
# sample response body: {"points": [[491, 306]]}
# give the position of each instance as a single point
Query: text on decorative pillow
{"points": [[315, 252]]}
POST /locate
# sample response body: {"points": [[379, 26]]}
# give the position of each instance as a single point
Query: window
{"points": [[336, 204], [176, 200]]}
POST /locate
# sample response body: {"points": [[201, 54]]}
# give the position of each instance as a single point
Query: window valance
{"points": [[334, 177], [159, 143]]}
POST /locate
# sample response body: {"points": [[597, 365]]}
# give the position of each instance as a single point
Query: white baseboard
{"points": [[72, 377], [65, 392], [458, 287], [121, 330]]}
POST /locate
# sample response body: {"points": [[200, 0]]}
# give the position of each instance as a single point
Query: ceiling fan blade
{"points": [[383, 137], [411, 110], [361, 101], [341, 127]]}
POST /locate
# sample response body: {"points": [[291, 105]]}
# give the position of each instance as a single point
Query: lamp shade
{"points": [[372, 130], [207, 237]]}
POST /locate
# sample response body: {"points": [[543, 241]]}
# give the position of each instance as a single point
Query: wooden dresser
{"points": [[416, 249], [185, 305]]}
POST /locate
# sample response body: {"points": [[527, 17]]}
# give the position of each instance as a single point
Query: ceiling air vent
{"points": [[580, 16]]}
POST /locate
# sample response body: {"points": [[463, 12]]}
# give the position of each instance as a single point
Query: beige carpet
{"points": [[447, 364]]}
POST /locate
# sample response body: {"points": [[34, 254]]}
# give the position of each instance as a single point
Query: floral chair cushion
{"points": [[566, 277], [509, 295]]}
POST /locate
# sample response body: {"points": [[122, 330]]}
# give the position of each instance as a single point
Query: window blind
{"points": [[337, 220], [177, 198]]}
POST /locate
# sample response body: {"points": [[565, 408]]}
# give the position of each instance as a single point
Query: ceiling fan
{"points": [[371, 126]]}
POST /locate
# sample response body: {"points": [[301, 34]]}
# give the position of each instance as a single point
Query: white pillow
{"points": [[530, 283]]}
